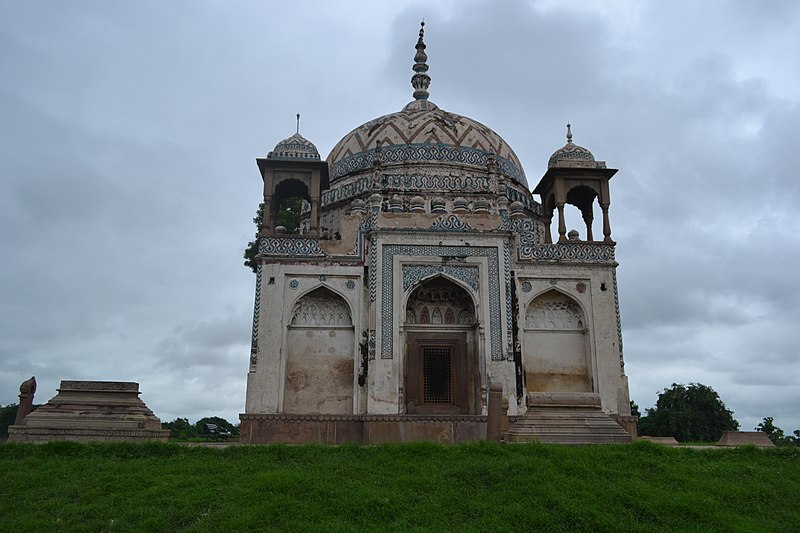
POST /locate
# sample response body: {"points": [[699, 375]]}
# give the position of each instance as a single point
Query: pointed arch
{"points": [[556, 348]]}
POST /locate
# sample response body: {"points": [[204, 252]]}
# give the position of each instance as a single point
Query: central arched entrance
{"points": [[441, 364]]}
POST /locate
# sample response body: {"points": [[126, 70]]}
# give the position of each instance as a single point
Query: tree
{"points": [[690, 413], [180, 428], [252, 247], [776, 434], [7, 415], [635, 410], [221, 423]]}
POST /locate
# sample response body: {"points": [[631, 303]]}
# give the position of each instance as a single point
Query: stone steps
{"points": [[565, 419]]}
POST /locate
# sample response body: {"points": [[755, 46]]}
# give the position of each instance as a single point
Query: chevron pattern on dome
{"points": [[423, 132]]}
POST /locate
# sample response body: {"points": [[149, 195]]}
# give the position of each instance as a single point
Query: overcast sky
{"points": [[129, 132]]}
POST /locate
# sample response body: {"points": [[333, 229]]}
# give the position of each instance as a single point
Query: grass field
{"points": [[411, 487]]}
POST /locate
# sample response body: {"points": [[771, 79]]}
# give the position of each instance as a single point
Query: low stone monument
{"points": [[86, 411], [745, 438]]}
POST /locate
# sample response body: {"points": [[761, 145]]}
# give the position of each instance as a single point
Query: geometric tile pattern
{"points": [[450, 223], [619, 322], [387, 295], [256, 312], [569, 251], [414, 274], [424, 152], [289, 246]]}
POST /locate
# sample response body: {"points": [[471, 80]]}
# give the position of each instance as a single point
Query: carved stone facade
{"points": [[426, 271]]}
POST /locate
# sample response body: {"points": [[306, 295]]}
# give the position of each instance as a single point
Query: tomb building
{"points": [[422, 270]]}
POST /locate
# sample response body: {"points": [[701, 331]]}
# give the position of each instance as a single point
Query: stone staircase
{"points": [[565, 418]]}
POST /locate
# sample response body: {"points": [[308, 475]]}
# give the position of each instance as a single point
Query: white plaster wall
{"points": [[319, 370], [600, 312], [265, 384]]}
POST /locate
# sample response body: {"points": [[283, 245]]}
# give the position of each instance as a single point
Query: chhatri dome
{"points": [[295, 147], [573, 156], [422, 132]]}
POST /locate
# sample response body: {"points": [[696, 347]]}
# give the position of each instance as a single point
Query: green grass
{"points": [[411, 487]]}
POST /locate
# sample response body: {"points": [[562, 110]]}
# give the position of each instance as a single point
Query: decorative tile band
{"points": [[436, 182], [619, 322], [509, 320], [387, 294], [289, 246], [344, 192], [450, 223], [517, 196], [568, 251], [413, 274], [399, 153], [256, 313]]}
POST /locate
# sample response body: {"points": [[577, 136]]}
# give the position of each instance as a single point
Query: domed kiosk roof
{"points": [[572, 155], [295, 147], [422, 132]]}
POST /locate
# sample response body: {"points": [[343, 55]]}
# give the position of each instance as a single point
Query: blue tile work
{"points": [[569, 251], [291, 246], [531, 204], [387, 294], [350, 285], [373, 271], [256, 313], [619, 322], [399, 153], [344, 192], [507, 274], [413, 274], [450, 223], [436, 182]]}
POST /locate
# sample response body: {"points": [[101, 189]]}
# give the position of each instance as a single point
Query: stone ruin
{"points": [[87, 411]]}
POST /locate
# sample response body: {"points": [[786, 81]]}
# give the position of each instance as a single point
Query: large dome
{"points": [[422, 133]]}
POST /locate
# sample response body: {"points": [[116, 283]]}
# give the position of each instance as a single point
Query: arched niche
{"points": [[556, 349], [320, 344], [442, 374], [440, 301]]}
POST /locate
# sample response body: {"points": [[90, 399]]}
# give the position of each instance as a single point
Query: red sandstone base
{"points": [[363, 429]]}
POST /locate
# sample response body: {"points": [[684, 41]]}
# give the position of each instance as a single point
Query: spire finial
{"points": [[569, 133], [298, 123], [420, 80]]}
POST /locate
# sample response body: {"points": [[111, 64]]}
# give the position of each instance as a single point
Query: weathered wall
{"points": [[319, 370]]}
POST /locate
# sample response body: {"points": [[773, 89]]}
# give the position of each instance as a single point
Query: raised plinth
{"points": [[366, 429], [745, 438], [87, 411], [565, 418]]}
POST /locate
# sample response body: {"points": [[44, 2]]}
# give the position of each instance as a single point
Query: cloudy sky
{"points": [[129, 132]]}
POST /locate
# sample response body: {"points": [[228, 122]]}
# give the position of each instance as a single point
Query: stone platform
{"points": [[87, 411], [364, 429], [745, 438], [565, 418]]}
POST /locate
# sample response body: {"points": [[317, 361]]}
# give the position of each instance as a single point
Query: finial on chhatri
{"points": [[298, 123], [569, 134], [420, 80]]}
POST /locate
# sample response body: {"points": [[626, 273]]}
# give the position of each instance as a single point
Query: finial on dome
{"points": [[420, 80], [298, 123], [569, 134]]}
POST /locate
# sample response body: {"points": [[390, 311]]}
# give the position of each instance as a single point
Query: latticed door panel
{"points": [[437, 375]]}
